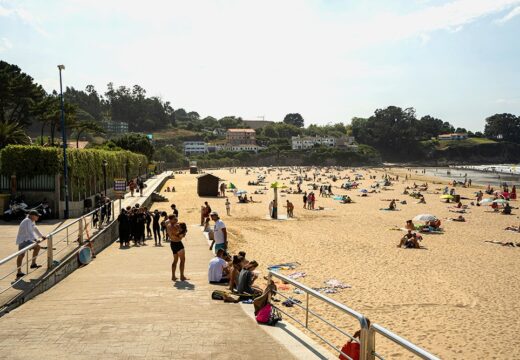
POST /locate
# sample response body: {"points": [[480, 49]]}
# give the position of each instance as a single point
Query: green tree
{"points": [[503, 127], [12, 133], [170, 155], [91, 127], [138, 143], [18, 95], [229, 122], [294, 119]]}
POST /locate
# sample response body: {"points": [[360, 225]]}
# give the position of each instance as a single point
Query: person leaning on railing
{"points": [[28, 234]]}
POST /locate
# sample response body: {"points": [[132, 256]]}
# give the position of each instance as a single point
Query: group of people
{"points": [[309, 200], [136, 184], [236, 272]]}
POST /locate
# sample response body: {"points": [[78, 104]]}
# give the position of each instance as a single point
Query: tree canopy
{"points": [[294, 119]]}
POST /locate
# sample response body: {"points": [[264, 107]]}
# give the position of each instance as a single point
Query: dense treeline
{"points": [[395, 132]]}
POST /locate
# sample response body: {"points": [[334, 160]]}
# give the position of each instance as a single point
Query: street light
{"points": [[127, 165], [105, 164], [64, 140]]}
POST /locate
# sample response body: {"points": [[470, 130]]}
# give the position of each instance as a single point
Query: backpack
{"points": [[351, 349], [268, 315]]}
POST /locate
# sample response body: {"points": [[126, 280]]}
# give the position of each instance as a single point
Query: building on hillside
{"points": [[242, 147], [454, 136], [241, 136], [195, 147], [308, 142], [114, 127], [257, 124]]}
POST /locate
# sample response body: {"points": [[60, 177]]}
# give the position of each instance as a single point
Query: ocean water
{"points": [[494, 175]]}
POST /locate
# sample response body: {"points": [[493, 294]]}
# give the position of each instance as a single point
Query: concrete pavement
{"points": [[124, 306]]}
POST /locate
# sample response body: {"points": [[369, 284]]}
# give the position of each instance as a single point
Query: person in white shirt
{"points": [[28, 234], [218, 269], [219, 233]]}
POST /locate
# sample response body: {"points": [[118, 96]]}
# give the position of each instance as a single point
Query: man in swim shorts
{"points": [[176, 233]]}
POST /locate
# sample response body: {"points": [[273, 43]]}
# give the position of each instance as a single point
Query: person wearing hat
{"points": [[28, 234], [219, 233]]}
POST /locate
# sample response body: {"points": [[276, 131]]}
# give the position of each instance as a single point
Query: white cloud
{"points": [[25, 16], [513, 13], [5, 44]]}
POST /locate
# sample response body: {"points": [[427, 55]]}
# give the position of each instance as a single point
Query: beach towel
{"points": [[297, 275], [336, 284], [387, 209]]}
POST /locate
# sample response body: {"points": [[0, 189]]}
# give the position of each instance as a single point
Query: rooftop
{"points": [[241, 130]]}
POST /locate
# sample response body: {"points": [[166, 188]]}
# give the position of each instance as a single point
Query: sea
{"points": [[494, 175]]}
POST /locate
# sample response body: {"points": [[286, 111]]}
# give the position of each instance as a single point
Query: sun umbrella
{"points": [[486, 202], [500, 201], [425, 217], [241, 192], [447, 196], [364, 191]]}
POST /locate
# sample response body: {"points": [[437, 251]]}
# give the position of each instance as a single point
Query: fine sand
{"points": [[458, 298]]}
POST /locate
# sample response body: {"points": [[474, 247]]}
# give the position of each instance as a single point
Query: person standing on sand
{"points": [[305, 200], [228, 207], [176, 232]]}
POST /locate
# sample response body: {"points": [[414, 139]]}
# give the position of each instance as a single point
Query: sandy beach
{"points": [[457, 298]]}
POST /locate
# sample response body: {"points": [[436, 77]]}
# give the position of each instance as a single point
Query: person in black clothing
{"points": [[133, 225], [148, 218], [156, 227], [163, 225], [140, 219], [175, 211], [124, 229]]}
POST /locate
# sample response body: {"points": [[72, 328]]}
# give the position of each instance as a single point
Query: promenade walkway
{"points": [[123, 305]]}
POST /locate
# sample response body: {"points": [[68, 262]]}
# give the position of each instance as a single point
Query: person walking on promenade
{"points": [[219, 233], [124, 229], [28, 234], [177, 232], [131, 186]]}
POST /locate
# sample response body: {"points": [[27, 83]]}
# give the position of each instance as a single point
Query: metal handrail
{"points": [[50, 243], [363, 322], [368, 331], [423, 354]]}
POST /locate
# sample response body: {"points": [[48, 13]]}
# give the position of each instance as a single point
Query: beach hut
{"points": [[207, 185]]}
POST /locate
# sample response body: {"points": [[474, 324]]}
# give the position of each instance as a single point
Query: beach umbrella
{"points": [[500, 201], [232, 186], [425, 217], [447, 196], [241, 192], [486, 202], [364, 191]]}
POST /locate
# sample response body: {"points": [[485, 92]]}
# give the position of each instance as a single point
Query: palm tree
{"points": [[12, 133]]}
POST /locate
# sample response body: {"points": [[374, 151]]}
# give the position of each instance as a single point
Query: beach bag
{"points": [[351, 349], [274, 316], [263, 315], [218, 295]]}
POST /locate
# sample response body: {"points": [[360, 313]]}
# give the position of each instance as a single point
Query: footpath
{"points": [[123, 305]]}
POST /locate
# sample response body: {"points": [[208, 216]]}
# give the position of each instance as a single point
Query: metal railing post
{"points": [[371, 344], [50, 254], [307, 311], [26, 262], [67, 234], [80, 231], [363, 340]]}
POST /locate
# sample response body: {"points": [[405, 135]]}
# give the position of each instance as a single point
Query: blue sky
{"points": [[458, 60]]}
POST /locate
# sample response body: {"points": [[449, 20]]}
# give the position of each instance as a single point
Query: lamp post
{"points": [[64, 140], [139, 174], [105, 164]]}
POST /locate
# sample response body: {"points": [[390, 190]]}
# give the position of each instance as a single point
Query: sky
{"points": [[329, 60]]}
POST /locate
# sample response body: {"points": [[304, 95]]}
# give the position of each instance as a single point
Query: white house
{"points": [[308, 142], [454, 136], [195, 147]]}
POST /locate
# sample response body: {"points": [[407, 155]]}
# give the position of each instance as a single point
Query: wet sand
{"points": [[457, 298]]}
